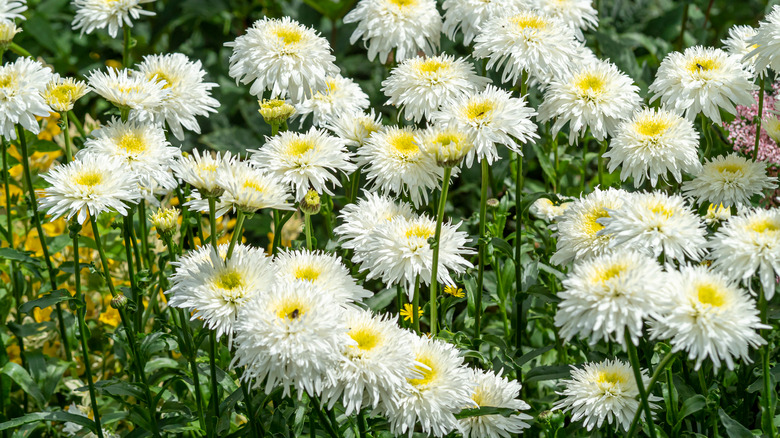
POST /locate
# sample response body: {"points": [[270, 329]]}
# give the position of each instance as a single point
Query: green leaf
{"points": [[502, 246], [25, 381], [235, 140], [12, 254], [485, 410], [691, 406], [380, 300], [47, 300], [50, 416], [733, 428], [533, 353], [551, 372]]}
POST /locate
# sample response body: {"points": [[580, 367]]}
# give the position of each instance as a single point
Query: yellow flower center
{"points": [[764, 226], [652, 127], [699, 65], [709, 294], [730, 168], [8, 80], [404, 145], [159, 76], [62, 93], [132, 143], [446, 138], [529, 22], [611, 378], [366, 338], [590, 225], [428, 374], [419, 231], [253, 185], [289, 35], [610, 272], [478, 397], [590, 86], [89, 178], [307, 273], [402, 3], [230, 280], [479, 110], [298, 147], [659, 208], [431, 66], [291, 309]]}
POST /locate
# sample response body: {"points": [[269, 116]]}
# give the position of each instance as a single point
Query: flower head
{"points": [[729, 180], [738, 44], [490, 389], [356, 128], [21, 84], [249, 189], [11, 10], [579, 14], [408, 312], [765, 44], [321, 269], [448, 146], [130, 91], [548, 210], [114, 14], [61, 93], [340, 97], [275, 110], [202, 171], [469, 15], [165, 220], [8, 31]]}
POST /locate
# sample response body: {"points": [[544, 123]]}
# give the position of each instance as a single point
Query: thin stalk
{"points": [[435, 267], [79, 127], [416, 305], [7, 189], [767, 414], [131, 271], [362, 424], [519, 296], [353, 192], [662, 366], [80, 313], [705, 131], [307, 230], [144, 234], [634, 359], [760, 116], [41, 239], [66, 131], [132, 241], [602, 150], [102, 252], [250, 412], [278, 231], [212, 334], [236, 232], [482, 249], [213, 221]]}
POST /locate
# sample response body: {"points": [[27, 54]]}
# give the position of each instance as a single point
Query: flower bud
{"points": [[446, 145], [165, 220], [492, 202], [119, 302], [310, 204], [61, 93], [275, 111], [8, 30]]}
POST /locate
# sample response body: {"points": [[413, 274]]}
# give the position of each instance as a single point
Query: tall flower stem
{"points": [[519, 298], [66, 132], [307, 230], [278, 227], [760, 116], [81, 307], [482, 248], [706, 132], [355, 186], [435, 267], [212, 334], [79, 127], [663, 365], [602, 149], [127, 224], [633, 357], [767, 413], [144, 234], [236, 232], [416, 305], [41, 239]]}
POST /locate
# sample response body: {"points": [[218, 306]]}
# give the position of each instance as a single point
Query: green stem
{"points": [[41, 237], [767, 414], [416, 305], [250, 411], [353, 192], [80, 313], [19, 50], [362, 424], [236, 232], [127, 223], [634, 359], [519, 296], [278, 230], [602, 150], [662, 366], [7, 189], [79, 127], [212, 334], [66, 131], [324, 422], [213, 222], [102, 252], [307, 230], [482, 248], [435, 267], [144, 234], [760, 116], [707, 139]]}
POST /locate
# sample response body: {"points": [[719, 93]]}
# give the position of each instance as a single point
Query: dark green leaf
{"points": [[50, 416], [485, 410], [551, 372], [733, 428], [691, 406], [47, 300], [25, 381]]}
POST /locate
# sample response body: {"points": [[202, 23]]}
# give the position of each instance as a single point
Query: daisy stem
{"points": [[519, 298], [278, 227], [81, 307], [307, 230], [79, 127], [213, 221], [416, 305], [126, 47], [445, 186], [144, 234], [767, 414], [760, 116], [603, 148], [236, 233], [362, 424], [7, 190], [41, 236], [665, 364], [633, 357], [705, 131], [482, 248], [353, 192], [127, 223], [212, 334], [66, 131]]}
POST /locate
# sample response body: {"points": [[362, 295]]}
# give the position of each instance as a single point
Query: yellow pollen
{"points": [[590, 225], [709, 294], [529, 22], [611, 377], [289, 35], [298, 147], [159, 76], [307, 273], [447, 138], [431, 65], [420, 231], [610, 272], [730, 168], [428, 374], [478, 397], [7, 80], [702, 65], [128, 90], [248, 184], [89, 178], [230, 280], [402, 3], [291, 309], [365, 338], [590, 86], [660, 209], [652, 127], [763, 226], [132, 142], [404, 145], [479, 110], [62, 93]]}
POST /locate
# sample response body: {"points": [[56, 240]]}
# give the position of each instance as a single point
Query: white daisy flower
{"points": [[765, 44], [292, 335], [748, 244], [709, 317], [717, 213], [529, 42], [441, 389], [187, 95], [165, 220], [90, 185], [408, 26], [21, 84], [579, 227], [738, 44], [214, 290], [702, 79], [341, 97], [490, 389], [447, 145], [130, 91], [8, 31], [61, 93], [304, 160], [603, 391], [656, 223], [283, 56], [395, 163], [11, 10], [579, 14], [355, 128], [361, 219], [376, 368], [114, 14], [203, 171], [141, 147], [548, 210], [399, 252], [596, 96], [491, 117], [652, 144], [729, 180], [321, 269], [608, 295], [249, 189], [419, 86], [469, 15]]}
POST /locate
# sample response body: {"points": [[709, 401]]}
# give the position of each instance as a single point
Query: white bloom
{"points": [[130, 90], [341, 97], [114, 14], [547, 210], [165, 220], [419, 86], [394, 162], [766, 42], [215, 289], [355, 128], [652, 144], [447, 145], [187, 95], [399, 252], [282, 56], [529, 42], [579, 14], [494, 391], [738, 44], [361, 219], [441, 389], [11, 10], [596, 96], [249, 189], [702, 79], [469, 15], [61, 93], [491, 117], [90, 185], [304, 160], [748, 244], [21, 84], [321, 269], [657, 223], [408, 26], [603, 391], [291, 335], [771, 125], [717, 213], [579, 226], [729, 180], [609, 297], [141, 147], [374, 370], [203, 171], [708, 316]]}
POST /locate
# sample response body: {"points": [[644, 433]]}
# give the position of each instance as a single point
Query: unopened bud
{"points": [[310, 204], [119, 302], [275, 111], [165, 220], [8, 30], [447, 146], [492, 202]]}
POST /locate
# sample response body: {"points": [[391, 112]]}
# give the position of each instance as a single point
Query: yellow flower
{"points": [[13, 190], [110, 316], [113, 63], [13, 353], [51, 127], [455, 291], [407, 312], [42, 315]]}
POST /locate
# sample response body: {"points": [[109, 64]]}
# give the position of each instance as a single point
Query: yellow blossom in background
{"points": [[113, 63], [51, 127], [40, 162], [110, 316], [14, 190], [13, 353], [407, 312], [42, 315], [455, 291]]}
